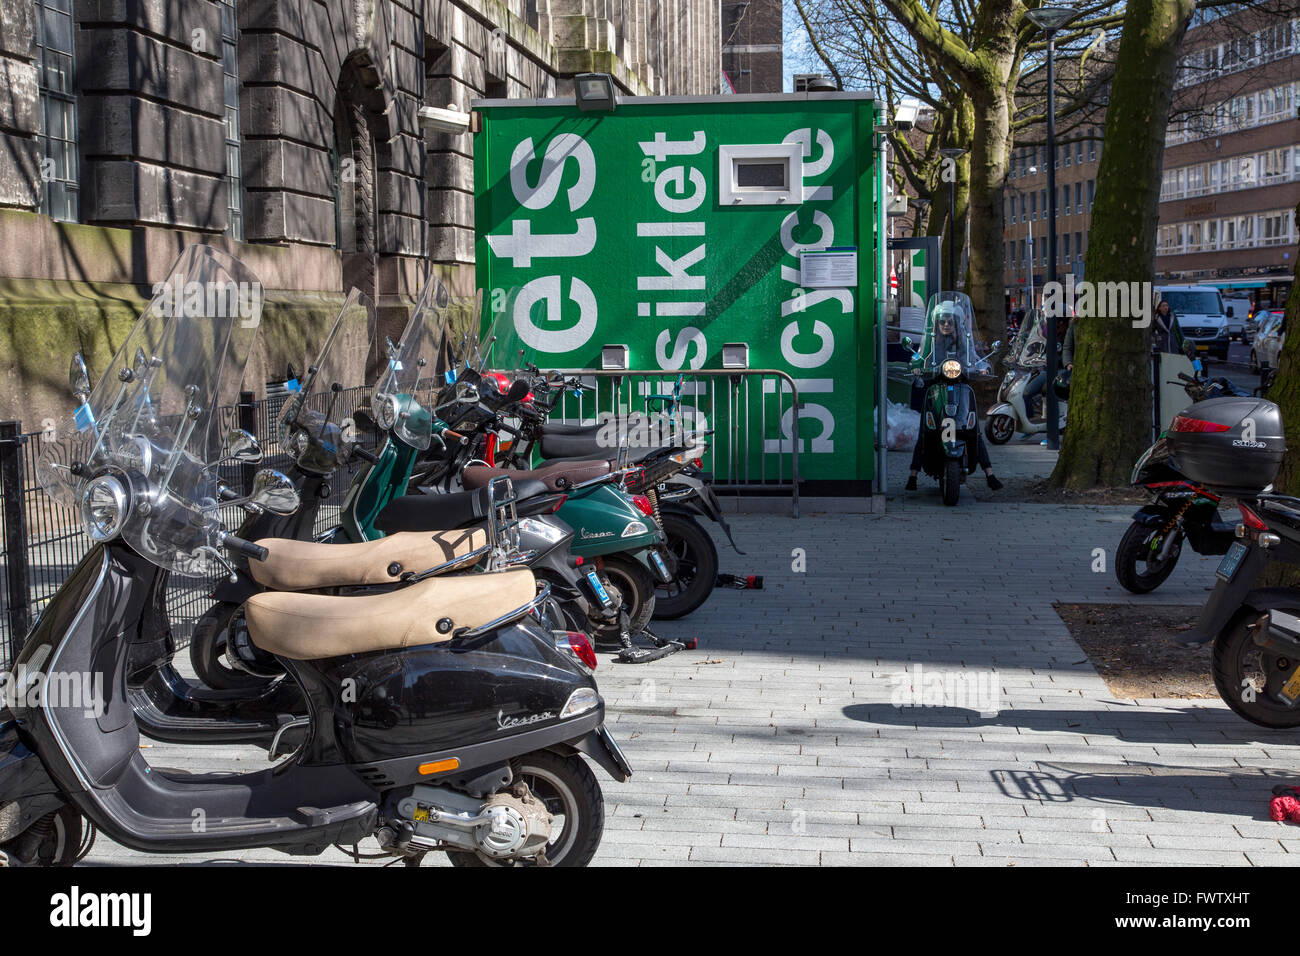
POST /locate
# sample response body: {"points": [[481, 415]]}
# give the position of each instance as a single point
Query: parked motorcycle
{"points": [[1182, 511], [318, 428], [1028, 358], [948, 358], [442, 717], [1234, 446]]}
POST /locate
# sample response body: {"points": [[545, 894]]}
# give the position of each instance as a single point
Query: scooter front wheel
{"points": [[572, 796], [53, 840], [1249, 677], [209, 650], [697, 568], [1138, 550], [950, 482], [999, 429]]}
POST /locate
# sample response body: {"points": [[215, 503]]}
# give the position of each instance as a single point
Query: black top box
{"points": [[1230, 445]]}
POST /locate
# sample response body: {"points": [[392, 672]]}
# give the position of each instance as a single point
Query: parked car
{"points": [[1237, 311], [1269, 339], [1201, 318]]}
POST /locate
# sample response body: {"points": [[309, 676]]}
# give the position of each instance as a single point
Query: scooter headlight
{"points": [[386, 409], [580, 701], [103, 508], [633, 529], [951, 369]]}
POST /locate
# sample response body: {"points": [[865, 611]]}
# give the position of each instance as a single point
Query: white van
{"points": [[1237, 320], [1200, 315]]}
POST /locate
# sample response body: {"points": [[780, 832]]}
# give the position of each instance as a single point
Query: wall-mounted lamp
{"points": [[735, 355], [449, 120], [613, 358], [595, 91]]}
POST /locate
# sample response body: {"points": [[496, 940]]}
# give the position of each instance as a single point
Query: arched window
{"points": [[234, 150], [56, 79], [354, 157]]}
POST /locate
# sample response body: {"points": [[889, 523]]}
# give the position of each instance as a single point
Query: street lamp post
{"points": [[1050, 20], [953, 153], [920, 205]]}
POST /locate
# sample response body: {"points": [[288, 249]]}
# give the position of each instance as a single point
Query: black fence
{"points": [[43, 541]]}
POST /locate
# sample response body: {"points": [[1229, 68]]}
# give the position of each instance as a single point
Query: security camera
{"points": [[449, 120], [906, 114]]}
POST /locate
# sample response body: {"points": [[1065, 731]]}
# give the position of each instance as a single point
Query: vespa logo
{"points": [[1242, 443], [584, 533], [509, 723]]}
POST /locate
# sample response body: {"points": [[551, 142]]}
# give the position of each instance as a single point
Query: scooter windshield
{"points": [[950, 334], [1031, 341], [322, 408], [404, 396], [150, 421]]}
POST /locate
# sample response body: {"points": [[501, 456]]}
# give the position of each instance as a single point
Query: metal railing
{"points": [[43, 541], [753, 415]]}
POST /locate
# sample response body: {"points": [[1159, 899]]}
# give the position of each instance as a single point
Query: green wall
{"points": [[629, 242]]}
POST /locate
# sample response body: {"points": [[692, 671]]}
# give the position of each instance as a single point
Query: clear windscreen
{"points": [[504, 348], [331, 389], [950, 334], [152, 415], [1031, 341], [406, 391]]}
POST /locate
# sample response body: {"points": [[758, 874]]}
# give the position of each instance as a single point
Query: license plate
{"points": [[660, 566], [421, 814], [1202, 348], [594, 580], [1231, 561], [1291, 689]]}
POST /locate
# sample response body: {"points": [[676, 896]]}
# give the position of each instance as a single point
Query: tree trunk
{"points": [[1110, 391], [988, 169], [1286, 393]]}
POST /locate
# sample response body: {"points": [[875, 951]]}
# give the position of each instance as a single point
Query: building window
{"points": [[1092, 144], [234, 157], [1078, 197], [1092, 192], [56, 77]]}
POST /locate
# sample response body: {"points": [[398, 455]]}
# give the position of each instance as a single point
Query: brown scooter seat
{"points": [[305, 627], [557, 476], [306, 565]]}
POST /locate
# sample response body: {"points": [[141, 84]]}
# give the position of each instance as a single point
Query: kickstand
{"points": [[632, 654]]}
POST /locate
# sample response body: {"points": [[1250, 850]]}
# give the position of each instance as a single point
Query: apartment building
{"points": [[1232, 157], [1231, 176], [752, 44], [1025, 209]]}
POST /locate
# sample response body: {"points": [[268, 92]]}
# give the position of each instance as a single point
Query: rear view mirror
{"points": [[906, 342], [518, 390], [273, 492], [1228, 312], [242, 446]]}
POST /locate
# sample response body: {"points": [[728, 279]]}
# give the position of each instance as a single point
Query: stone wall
{"points": [[329, 93]]}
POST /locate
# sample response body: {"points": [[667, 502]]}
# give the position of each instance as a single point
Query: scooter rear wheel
{"points": [[635, 586], [999, 429], [1248, 677], [572, 795], [697, 568]]}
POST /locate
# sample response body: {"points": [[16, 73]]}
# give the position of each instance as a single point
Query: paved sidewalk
{"points": [[779, 741]]}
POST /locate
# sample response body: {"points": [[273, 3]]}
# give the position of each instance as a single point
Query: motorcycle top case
{"points": [[1233, 445]]}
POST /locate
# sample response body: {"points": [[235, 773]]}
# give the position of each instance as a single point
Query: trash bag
{"points": [[902, 425]]}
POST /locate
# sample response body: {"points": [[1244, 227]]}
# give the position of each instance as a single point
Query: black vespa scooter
{"points": [[499, 781]]}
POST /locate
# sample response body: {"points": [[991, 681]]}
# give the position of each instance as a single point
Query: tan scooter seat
{"points": [[306, 565], [307, 627]]}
